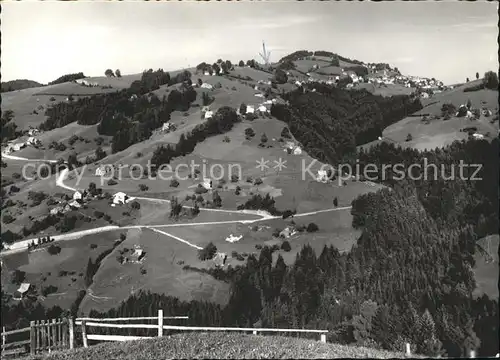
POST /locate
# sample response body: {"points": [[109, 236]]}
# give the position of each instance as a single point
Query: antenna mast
{"points": [[265, 55]]}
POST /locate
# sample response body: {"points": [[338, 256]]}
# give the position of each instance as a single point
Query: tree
{"points": [[243, 109], [241, 63], [216, 68], [409, 137], [426, 337], [263, 138], [335, 201], [285, 246], [18, 276], [312, 227], [208, 252], [280, 76], [200, 82], [109, 73], [216, 199], [118, 73], [477, 75], [100, 153], [469, 104], [467, 80], [491, 80], [54, 249]]}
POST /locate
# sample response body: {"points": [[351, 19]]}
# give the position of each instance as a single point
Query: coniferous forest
{"points": [[409, 278]]}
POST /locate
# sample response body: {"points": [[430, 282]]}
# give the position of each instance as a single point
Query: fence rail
{"points": [[85, 323]]}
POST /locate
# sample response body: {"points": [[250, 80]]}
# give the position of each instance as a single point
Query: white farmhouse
{"points": [[77, 195], [263, 109], [297, 151], [478, 136], [231, 238], [322, 176], [75, 204], [250, 109], [120, 198], [206, 86], [259, 95], [208, 114], [101, 171], [207, 183]]}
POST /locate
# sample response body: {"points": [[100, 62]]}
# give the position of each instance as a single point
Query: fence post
{"points": [[54, 334], [408, 350], [4, 337], [71, 333], [32, 338], [254, 332], [44, 339], [64, 334], [160, 322], [84, 334], [323, 338], [472, 354]]}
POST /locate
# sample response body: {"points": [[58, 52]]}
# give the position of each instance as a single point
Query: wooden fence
{"points": [[85, 323], [55, 334]]}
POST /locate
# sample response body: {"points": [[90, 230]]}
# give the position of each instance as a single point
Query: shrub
{"points": [[93, 246], [208, 252], [258, 246], [263, 138], [112, 182], [7, 219], [257, 181], [54, 249], [51, 289], [143, 187], [276, 232], [285, 246], [18, 276], [234, 178], [123, 237], [312, 227], [174, 183], [491, 80], [200, 190]]}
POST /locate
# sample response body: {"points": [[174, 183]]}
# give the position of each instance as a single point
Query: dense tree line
{"points": [[19, 84], [222, 122], [8, 129], [67, 78], [130, 115], [331, 122]]}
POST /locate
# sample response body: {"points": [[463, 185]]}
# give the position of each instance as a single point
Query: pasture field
{"points": [[66, 270], [161, 273]]}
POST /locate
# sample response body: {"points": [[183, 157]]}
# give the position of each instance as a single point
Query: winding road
{"points": [[264, 215]]}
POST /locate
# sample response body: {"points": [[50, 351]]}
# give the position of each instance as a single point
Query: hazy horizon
{"points": [[44, 40]]}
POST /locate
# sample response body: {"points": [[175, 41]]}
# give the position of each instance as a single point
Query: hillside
{"points": [[219, 346], [246, 225], [20, 84]]}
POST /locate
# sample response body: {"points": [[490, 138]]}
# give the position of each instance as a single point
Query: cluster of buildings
{"points": [[292, 148], [135, 256], [75, 203], [31, 141]]}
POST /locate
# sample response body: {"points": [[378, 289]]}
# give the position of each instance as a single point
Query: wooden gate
{"points": [[50, 335]]}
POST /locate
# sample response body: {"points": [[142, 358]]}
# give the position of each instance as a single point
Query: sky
{"points": [[43, 40]]}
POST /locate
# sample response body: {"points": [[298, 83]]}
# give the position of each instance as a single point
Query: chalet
{"points": [[207, 183], [74, 204], [120, 198], [33, 132], [206, 86], [77, 195], [259, 95], [478, 136], [208, 115], [322, 176], [297, 151], [231, 238], [56, 210], [101, 170], [263, 109], [137, 255], [250, 109], [22, 291], [287, 232], [220, 259], [166, 127]]}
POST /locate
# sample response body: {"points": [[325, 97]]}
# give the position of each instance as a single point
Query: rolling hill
{"points": [[20, 84]]}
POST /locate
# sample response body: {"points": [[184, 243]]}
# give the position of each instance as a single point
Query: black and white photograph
{"points": [[249, 179]]}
